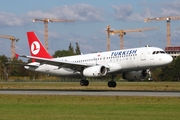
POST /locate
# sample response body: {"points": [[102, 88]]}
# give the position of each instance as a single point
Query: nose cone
{"points": [[168, 59]]}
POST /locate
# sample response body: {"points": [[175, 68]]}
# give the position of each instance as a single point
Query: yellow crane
{"points": [[46, 21], [108, 37], [168, 19], [121, 34], [13, 39]]}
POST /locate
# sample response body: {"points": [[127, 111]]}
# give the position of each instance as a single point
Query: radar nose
{"points": [[169, 59]]}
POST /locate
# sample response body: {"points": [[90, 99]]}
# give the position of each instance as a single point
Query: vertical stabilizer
{"points": [[36, 47]]}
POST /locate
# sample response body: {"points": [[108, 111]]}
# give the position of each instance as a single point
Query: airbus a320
{"points": [[132, 63]]}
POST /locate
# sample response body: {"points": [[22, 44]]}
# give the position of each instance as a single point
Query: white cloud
{"points": [[127, 13], [88, 13], [78, 12], [171, 8], [122, 11], [172, 5], [9, 19], [40, 14], [163, 9], [149, 13]]}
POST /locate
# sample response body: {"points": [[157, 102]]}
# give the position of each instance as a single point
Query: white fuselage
{"points": [[119, 61]]}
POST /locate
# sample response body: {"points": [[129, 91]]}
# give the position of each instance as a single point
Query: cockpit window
{"points": [[162, 51], [157, 52]]}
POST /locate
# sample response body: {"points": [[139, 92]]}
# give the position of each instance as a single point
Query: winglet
{"points": [[36, 47], [16, 55]]}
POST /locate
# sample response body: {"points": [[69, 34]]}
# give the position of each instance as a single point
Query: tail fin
{"points": [[16, 55], [36, 47]]}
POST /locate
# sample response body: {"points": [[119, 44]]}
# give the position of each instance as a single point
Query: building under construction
{"points": [[174, 51]]}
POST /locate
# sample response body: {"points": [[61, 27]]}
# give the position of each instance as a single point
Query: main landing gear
{"points": [[84, 82], [112, 83]]}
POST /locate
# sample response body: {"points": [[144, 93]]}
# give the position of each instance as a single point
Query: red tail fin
{"points": [[16, 55], [36, 47]]}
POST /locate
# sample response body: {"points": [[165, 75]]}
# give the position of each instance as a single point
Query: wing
{"points": [[35, 64], [12, 63], [60, 64]]}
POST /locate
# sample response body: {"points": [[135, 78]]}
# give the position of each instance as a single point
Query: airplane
{"points": [[133, 63]]}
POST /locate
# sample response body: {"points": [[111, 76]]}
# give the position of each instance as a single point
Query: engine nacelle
{"points": [[135, 75], [95, 71]]}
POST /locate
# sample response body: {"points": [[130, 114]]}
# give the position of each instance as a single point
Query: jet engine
{"points": [[95, 71], [135, 75]]}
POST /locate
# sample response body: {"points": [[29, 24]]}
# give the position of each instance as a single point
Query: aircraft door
{"points": [[143, 54]]}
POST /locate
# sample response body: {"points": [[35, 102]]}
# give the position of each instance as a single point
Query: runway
{"points": [[92, 93]]}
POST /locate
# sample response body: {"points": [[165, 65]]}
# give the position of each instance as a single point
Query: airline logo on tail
{"points": [[35, 48]]}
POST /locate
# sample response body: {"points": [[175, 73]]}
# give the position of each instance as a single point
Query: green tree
{"points": [[69, 52], [71, 49], [3, 71], [171, 72], [77, 50], [176, 70], [16, 68], [62, 53]]}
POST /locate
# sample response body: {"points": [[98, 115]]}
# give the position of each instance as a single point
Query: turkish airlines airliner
{"points": [[133, 63]]}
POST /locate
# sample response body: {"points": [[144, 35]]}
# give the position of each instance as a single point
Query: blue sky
{"points": [[92, 17]]}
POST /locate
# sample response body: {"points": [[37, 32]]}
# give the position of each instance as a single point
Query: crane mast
{"points": [[122, 33], [13, 39], [46, 21], [168, 19], [108, 37]]}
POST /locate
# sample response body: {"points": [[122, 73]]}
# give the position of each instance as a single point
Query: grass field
{"points": [[55, 107], [47, 107], [175, 86]]}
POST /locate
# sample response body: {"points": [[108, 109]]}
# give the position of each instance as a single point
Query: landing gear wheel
{"points": [[112, 84], [84, 82], [150, 79]]}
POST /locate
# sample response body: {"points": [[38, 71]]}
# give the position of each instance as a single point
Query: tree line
{"points": [[170, 72], [15, 67], [167, 73]]}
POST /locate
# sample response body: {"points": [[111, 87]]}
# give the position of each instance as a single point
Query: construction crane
{"points": [[121, 34], [168, 19], [13, 39], [46, 21], [108, 37]]}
